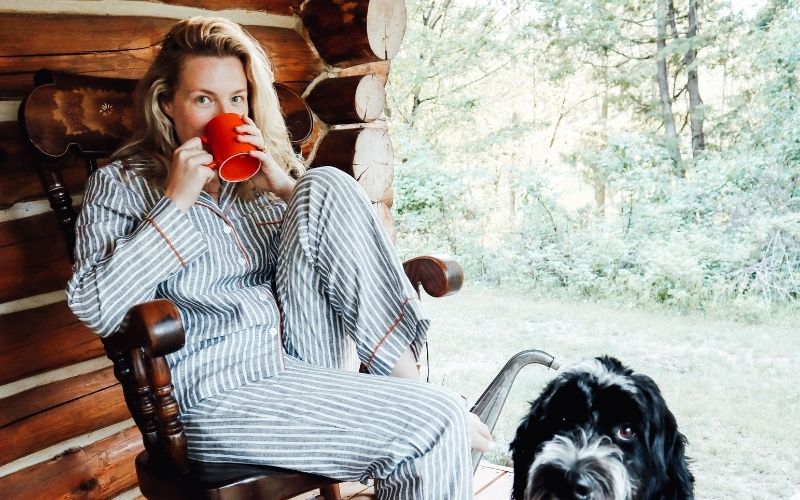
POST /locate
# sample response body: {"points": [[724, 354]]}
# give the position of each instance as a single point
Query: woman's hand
{"points": [[481, 437], [188, 173], [271, 177]]}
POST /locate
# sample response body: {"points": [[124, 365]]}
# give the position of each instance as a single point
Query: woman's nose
{"points": [[226, 107]]}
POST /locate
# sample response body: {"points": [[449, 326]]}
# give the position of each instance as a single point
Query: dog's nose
{"points": [[581, 490]]}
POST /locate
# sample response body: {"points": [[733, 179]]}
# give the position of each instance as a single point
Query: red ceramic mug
{"points": [[231, 157]]}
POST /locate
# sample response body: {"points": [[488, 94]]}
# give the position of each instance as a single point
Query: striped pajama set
{"points": [[280, 304]]}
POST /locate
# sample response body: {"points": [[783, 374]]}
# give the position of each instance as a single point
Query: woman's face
{"points": [[207, 86]]}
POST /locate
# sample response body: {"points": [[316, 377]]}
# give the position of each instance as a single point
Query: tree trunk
{"points": [[663, 89], [695, 102], [599, 177]]}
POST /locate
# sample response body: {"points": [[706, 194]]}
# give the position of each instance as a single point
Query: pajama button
{"points": [[272, 332], [263, 296], [227, 230], [242, 261]]}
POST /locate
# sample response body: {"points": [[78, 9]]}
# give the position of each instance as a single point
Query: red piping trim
{"points": [[391, 328], [169, 242]]}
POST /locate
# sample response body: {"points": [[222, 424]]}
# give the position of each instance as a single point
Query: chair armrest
{"points": [[438, 274], [154, 326]]}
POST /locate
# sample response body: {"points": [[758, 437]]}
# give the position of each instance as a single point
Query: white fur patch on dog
{"points": [[601, 373], [599, 464]]}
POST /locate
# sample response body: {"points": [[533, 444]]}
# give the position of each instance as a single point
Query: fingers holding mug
{"points": [[189, 172], [250, 134]]}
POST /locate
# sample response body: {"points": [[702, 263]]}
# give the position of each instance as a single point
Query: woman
{"points": [[283, 286]]}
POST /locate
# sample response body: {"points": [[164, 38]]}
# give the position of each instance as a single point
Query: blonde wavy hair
{"points": [[155, 138]]}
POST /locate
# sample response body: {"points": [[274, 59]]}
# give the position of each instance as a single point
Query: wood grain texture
{"points": [[119, 46], [355, 32], [350, 99], [103, 469], [283, 7], [439, 274], [18, 178], [378, 68], [364, 153], [33, 257], [75, 418], [41, 339], [27, 403]]}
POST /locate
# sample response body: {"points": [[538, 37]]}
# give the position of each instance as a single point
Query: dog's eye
{"points": [[625, 432]]}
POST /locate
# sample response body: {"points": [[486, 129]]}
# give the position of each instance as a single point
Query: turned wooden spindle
{"points": [[170, 427], [145, 413], [60, 201]]}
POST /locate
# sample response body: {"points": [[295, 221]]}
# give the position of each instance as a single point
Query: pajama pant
{"points": [[344, 299]]}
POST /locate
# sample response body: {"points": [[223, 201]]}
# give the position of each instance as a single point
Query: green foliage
{"points": [[530, 146]]}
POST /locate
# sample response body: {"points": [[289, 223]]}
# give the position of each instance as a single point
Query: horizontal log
{"points": [[355, 32], [119, 46], [41, 398], [33, 257], [349, 99], [41, 339], [75, 418], [108, 46], [377, 68], [364, 153], [103, 469], [283, 7], [18, 178]]}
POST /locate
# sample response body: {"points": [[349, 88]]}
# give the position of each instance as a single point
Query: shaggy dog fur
{"points": [[600, 431]]}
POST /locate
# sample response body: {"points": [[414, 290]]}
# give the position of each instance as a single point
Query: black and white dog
{"points": [[600, 431]]}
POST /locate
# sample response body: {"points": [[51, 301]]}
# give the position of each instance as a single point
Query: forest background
{"points": [[644, 154]]}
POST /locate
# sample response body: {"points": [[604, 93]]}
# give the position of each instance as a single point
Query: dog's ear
{"points": [[531, 433], [523, 449], [680, 481], [671, 479]]}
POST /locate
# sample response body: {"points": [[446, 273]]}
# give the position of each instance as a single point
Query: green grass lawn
{"points": [[733, 387]]}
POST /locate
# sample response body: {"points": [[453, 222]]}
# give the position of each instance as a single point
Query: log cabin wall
{"points": [[64, 428]]}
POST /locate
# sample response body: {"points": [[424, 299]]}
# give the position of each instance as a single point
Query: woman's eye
{"points": [[237, 99], [203, 99], [625, 432]]}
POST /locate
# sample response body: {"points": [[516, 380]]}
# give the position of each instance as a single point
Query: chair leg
{"points": [[331, 492]]}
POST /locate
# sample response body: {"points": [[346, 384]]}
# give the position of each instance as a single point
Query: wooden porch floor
{"points": [[492, 482]]}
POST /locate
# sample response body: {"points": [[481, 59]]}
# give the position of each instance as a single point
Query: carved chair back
{"points": [[91, 116]]}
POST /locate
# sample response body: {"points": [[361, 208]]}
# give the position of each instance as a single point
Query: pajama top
{"points": [[216, 263]]}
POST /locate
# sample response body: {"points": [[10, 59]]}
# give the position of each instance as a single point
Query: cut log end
{"points": [[366, 154], [386, 26], [370, 98], [356, 31]]}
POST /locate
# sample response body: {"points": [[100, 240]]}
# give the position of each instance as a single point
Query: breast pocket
{"points": [[260, 228]]}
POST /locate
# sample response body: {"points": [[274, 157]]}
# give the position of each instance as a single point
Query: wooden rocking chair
{"points": [[91, 116]]}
